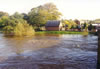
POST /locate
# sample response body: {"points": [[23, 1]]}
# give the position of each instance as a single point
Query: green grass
{"points": [[58, 32]]}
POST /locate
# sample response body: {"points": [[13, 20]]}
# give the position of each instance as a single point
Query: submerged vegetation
{"points": [[16, 26], [23, 29]]}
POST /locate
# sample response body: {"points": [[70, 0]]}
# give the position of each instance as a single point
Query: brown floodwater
{"points": [[48, 52]]}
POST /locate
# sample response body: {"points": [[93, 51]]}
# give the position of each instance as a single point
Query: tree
{"points": [[90, 27], [3, 14], [77, 22], [70, 23], [8, 24], [38, 18], [51, 8], [2, 21], [84, 25], [25, 16], [40, 15], [23, 29], [17, 15], [18, 27]]}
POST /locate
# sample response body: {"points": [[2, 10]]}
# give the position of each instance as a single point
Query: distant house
{"points": [[83, 21], [53, 25], [96, 24]]}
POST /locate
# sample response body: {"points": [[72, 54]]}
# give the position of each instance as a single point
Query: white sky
{"points": [[71, 9]]}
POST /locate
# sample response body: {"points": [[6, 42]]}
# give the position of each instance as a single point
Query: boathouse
{"points": [[53, 25]]}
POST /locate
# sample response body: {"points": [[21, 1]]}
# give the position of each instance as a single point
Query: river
{"points": [[48, 52]]}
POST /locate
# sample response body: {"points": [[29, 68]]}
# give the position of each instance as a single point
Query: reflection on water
{"points": [[48, 52], [17, 46]]}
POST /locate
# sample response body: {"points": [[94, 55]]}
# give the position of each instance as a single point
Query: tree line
{"points": [[36, 18], [76, 25]]}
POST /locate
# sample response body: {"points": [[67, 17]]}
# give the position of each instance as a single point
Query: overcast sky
{"points": [[71, 9]]}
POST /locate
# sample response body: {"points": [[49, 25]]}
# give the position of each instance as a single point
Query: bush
{"points": [[23, 29], [90, 27], [8, 29]]}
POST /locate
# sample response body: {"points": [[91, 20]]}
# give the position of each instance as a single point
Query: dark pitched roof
{"points": [[53, 23]]}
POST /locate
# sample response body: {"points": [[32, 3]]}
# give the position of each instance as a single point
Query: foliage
{"points": [[11, 20], [23, 29], [52, 9], [3, 20], [40, 15], [71, 24], [8, 29], [25, 16], [90, 27], [3, 14], [84, 25], [77, 21], [7, 24], [17, 15], [38, 18], [73, 27], [15, 24]]}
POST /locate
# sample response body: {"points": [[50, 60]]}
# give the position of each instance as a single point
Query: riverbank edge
{"points": [[58, 32]]}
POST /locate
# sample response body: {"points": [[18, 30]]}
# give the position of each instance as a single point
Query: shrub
{"points": [[23, 29], [8, 29]]}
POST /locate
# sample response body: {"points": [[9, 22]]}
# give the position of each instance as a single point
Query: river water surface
{"points": [[48, 52]]}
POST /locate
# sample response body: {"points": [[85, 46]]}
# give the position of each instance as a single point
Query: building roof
{"points": [[53, 23], [97, 24]]}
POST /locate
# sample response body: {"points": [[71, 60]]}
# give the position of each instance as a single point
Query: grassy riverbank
{"points": [[58, 32], [62, 32]]}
